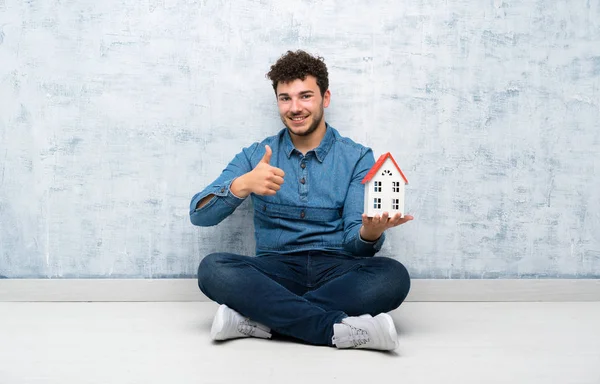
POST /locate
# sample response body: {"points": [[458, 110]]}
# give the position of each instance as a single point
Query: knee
{"points": [[397, 280], [208, 271]]}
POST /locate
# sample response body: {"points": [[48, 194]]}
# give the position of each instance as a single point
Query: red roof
{"points": [[378, 165]]}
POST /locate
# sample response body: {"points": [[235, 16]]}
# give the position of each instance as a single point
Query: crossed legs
{"points": [[303, 299]]}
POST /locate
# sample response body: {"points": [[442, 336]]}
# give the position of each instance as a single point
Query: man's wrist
{"points": [[238, 187], [368, 236]]}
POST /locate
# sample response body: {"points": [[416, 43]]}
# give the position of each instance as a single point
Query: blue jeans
{"points": [[303, 295]]}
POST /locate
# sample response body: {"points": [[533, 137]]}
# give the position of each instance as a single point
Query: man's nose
{"points": [[296, 107]]}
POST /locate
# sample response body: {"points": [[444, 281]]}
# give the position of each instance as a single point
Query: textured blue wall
{"points": [[114, 113]]}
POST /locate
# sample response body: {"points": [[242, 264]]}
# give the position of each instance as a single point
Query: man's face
{"points": [[301, 105]]}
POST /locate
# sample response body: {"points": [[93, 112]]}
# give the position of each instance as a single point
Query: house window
{"points": [[377, 203], [387, 172], [396, 204], [378, 186], [395, 186]]}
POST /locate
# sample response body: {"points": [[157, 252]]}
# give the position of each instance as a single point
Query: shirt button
{"points": [[222, 190], [302, 181], [302, 165], [264, 208], [302, 214]]}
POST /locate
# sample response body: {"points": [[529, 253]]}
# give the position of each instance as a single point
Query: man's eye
{"points": [[306, 96], [284, 98]]}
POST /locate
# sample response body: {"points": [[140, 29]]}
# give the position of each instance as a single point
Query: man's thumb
{"points": [[267, 157]]}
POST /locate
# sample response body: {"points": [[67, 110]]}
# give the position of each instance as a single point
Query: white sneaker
{"points": [[229, 324], [376, 332]]}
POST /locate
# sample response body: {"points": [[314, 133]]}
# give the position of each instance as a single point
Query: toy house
{"points": [[384, 187]]}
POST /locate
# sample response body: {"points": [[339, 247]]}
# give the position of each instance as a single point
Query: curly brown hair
{"points": [[298, 65]]}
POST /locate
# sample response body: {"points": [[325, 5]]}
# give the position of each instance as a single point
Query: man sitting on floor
{"points": [[314, 276]]}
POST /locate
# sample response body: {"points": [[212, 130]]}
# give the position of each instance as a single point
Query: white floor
{"points": [[169, 343]]}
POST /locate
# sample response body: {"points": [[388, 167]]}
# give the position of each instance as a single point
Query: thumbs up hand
{"points": [[267, 157], [263, 180]]}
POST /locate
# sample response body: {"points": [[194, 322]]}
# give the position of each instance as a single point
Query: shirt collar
{"points": [[320, 152]]}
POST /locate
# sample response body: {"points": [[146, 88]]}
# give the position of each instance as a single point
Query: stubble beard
{"points": [[313, 127]]}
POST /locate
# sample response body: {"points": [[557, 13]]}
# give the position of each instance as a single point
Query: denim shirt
{"points": [[318, 207]]}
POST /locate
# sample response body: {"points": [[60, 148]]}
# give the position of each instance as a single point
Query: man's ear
{"points": [[326, 98]]}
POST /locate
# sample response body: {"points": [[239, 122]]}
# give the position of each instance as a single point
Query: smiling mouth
{"points": [[298, 119]]}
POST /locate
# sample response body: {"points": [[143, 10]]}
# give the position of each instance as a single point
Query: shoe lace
{"points": [[245, 328], [357, 337]]}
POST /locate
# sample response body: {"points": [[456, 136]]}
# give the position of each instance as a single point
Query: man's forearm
{"points": [[355, 243], [213, 208], [238, 188]]}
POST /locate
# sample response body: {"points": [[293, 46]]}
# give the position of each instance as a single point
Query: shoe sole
{"points": [[218, 323]]}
